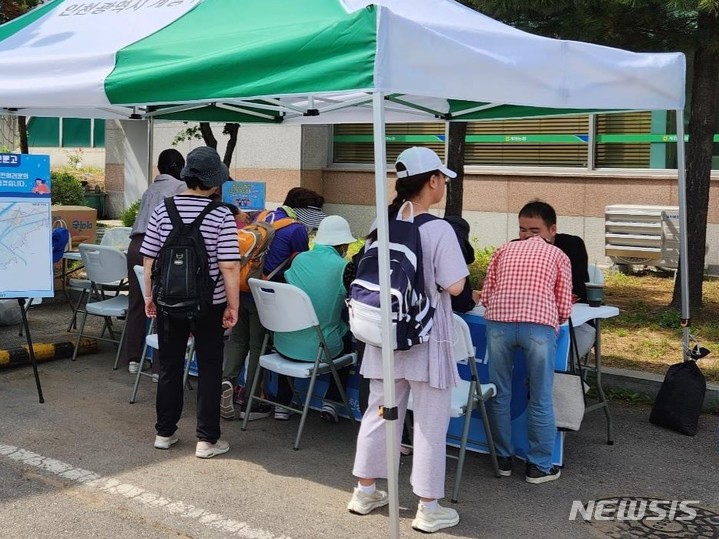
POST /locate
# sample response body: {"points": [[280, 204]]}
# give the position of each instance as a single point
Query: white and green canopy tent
{"points": [[319, 61]]}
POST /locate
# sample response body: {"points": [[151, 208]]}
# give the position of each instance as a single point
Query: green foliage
{"points": [[129, 215], [189, 133], [669, 319], [478, 268], [66, 189]]}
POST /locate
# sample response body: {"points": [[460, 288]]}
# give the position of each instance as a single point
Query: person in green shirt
{"points": [[320, 273]]}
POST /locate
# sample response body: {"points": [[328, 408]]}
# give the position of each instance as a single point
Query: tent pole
{"points": [[684, 232], [380, 168], [150, 148]]}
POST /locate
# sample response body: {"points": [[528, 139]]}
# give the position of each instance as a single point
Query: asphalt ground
{"points": [[82, 465]]}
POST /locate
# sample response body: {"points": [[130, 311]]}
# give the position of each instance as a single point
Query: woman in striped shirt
{"points": [[204, 173]]}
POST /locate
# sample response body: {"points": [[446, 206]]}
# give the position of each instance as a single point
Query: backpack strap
{"points": [[207, 209], [282, 223], [423, 218], [276, 223], [286, 261], [172, 212]]}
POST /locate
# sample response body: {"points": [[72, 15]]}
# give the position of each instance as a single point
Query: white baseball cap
{"points": [[417, 160], [334, 230]]}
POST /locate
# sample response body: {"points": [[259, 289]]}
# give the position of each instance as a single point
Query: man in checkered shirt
{"points": [[527, 294]]}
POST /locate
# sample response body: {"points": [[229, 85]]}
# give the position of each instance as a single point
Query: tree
{"points": [[455, 161], [204, 131], [11, 9], [691, 26]]}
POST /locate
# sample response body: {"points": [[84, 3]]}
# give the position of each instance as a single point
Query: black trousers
{"points": [[173, 334], [135, 321]]}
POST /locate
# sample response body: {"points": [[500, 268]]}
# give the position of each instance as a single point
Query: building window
{"points": [[66, 133], [632, 140]]}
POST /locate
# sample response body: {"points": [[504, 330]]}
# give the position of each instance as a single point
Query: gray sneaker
{"points": [[431, 521], [227, 408], [362, 504], [206, 450]]}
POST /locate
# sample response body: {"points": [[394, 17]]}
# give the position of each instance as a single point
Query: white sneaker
{"points": [[134, 366], [164, 442], [227, 408], [430, 521], [362, 504], [206, 450]]}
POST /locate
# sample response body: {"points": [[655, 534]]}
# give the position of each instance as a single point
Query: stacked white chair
{"points": [[104, 265], [117, 237]]}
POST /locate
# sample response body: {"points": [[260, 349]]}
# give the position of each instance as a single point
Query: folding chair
{"points": [[466, 397], [117, 237], [104, 265], [283, 308], [152, 340]]}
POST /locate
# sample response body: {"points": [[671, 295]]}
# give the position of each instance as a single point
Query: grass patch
{"points": [[646, 335]]}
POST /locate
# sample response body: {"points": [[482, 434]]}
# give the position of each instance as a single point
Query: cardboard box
{"points": [[81, 222]]}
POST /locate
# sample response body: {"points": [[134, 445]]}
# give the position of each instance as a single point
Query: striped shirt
{"points": [[218, 229], [528, 281]]}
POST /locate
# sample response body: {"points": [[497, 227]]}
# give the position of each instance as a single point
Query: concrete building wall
{"points": [[289, 156], [493, 199]]}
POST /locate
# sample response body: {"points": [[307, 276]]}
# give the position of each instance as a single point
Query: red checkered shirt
{"points": [[528, 281]]}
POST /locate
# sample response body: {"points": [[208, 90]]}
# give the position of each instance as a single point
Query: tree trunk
{"points": [[702, 125], [455, 161], [207, 135], [22, 130], [231, 130]]}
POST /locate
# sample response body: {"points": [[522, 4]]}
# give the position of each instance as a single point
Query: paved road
{"points": [[82, 465]]}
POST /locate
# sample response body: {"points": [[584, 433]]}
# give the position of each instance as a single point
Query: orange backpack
{"points": [[254, 240]]}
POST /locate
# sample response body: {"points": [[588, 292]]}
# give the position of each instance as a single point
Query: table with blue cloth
{"points": [[520, 389], [477, 440]]}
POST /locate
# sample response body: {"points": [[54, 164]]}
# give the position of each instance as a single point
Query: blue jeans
{"points": [[539, 343]]}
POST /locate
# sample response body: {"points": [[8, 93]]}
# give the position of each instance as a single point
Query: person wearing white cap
{"points": [[427, 369], [320, 273]]}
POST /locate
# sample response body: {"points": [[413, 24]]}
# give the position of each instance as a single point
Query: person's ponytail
{"points": [[406, 189]]}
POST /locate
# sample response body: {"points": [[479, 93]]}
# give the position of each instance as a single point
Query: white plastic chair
{"points": [[104, 265], [283, 308], [117, 237], [152, 340], [466, 397]]}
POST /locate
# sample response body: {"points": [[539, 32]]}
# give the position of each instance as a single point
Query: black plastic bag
{"points": [[680, 398]]}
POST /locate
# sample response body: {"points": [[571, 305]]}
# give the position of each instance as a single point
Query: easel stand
{"points": [[30, 350]]}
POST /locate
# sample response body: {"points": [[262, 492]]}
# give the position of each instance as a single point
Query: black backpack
{"points": [[183, 287], [412, 308]]}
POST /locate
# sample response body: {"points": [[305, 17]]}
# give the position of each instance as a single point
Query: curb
{"points": [[649, 383], [18, 357]]}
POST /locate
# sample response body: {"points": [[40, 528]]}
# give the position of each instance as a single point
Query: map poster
{"points": [[248, 196], [25, 226]]}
